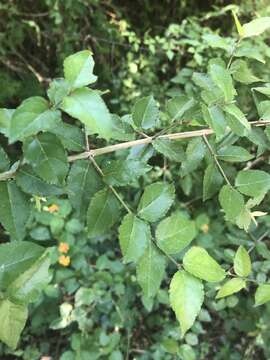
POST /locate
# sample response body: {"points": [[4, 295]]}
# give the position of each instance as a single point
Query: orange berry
{"points": [[63, 247], [64, 260], [53, 208]]}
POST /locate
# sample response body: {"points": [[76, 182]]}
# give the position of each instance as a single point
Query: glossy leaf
{"points": [[256, 27]]}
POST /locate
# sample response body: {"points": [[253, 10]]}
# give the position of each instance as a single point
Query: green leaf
{"points": [[134, 236], [178, 106], [214, 117], [175, 233], [102, 213], [251, 52], [232, 286], [31, 184], [186, 298], [265, 90], [236, 120], [4, 160], [232, 202], [78, 69], [58, 89], [31, 117], [234, 153], [27, 287], [241, 262], [5, 118], [15, 258], [256, 27], [145, 113], [242, 73], [173, 150], [156, 201], [253, 182], [12, 318], [72, 138], [262, 294], [212, 181], [222, 78], [195, 152], [124, 172], [121, 130], [199, 263], [48, 158], [82, 183], [150, 270], [14, 209], [87, 106]]}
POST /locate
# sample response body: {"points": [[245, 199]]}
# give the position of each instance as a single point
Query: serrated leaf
{"points": [[134, 236], [4, 160], [173, 150], [15, 258], [242, 73], [262, 294], [57, 90], [236, 120], [195, 152], [253, 182], [178, 106], [156, 201], [82, 183], [121, 130], [5, 118], [232, 286], [14, 209], [256, 27], [13, 318], [241, 262], [145, 113], [232, 202], [48, 158], [199, 263], [102, 213], [31, 117], [212, 181], [71, 137], [78, 69], [214, 117], [124, 172], [234, 153], [222, 78], [87, 106], [186, 298], [175, 233], [150, 270]]}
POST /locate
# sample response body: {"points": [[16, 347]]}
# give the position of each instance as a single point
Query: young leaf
{"points": [[12, 318], [156, 201], [234, 153], [173, 150], [232, 286], [231, 201], [178, 106], [199, 263], [48, 158], [194, 154], [134, 235], [241, 262], [14, 209], [253, 182], [222, 78], [102, 213], [87, 106], [78, 69], [145, 113], [212, 181], [262, 294], [256, 27], [186, 298], [150, 270], [175, 233]]}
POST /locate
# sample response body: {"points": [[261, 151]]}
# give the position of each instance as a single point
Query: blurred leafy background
{"points": [[93, 307]]}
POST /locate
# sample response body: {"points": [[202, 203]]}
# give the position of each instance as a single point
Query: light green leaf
{"points": [[31, 117], [12, 318], [15, 258], [199, 263], [58, 89], [249, 52], [253, 182], [134, 236], [5, 118], [48, 158], [214, 117], [124, 172], [234, 153], [244, 218], [150, 270], [241, 262], [212, 181], [232, 202], [262, 294], [145, 113], [222, 78], [87, 106], [14, 209], [236, 120], [265, 90], [178, 106], [195, 152], [102, 213], [175, 233], [186, 298], [78, 69], [156, 201], [4, 160], [242, 73], [256, 27], [173, 150], [232, 286], [216, 41]]}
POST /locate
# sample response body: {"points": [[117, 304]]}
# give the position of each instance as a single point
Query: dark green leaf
{"points": [[173, 150], [145, 113], [253, 182], [234, 153], [212, 181]]}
